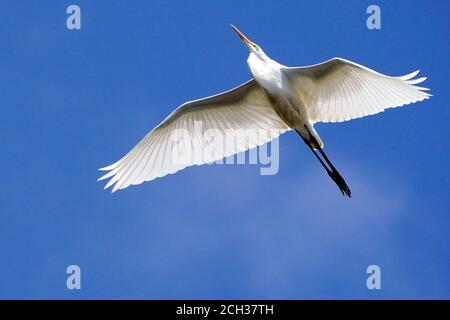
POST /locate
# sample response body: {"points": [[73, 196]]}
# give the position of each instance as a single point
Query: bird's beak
{"points": [[241, 35]]}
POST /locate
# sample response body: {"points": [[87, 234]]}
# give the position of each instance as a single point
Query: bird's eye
{"points": [[256, 47]]}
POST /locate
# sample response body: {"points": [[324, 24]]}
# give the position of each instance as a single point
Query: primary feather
{"points": [[239, 112], [340, 90]]}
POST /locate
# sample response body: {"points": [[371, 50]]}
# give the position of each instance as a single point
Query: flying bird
{"points": [[277, 99]]}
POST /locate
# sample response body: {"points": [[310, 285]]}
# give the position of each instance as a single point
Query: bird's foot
{"points": [[340, 182]]}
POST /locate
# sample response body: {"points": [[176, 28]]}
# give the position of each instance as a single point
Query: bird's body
{"points": [[276, 100], [286, 102]]}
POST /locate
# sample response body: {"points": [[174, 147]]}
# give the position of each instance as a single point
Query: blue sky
{"points": [[73, 101]]}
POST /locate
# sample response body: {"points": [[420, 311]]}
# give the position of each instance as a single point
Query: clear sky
{"points": [[74, 101]]}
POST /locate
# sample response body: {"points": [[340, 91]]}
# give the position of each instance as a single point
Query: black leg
{"points": [[332, 171], [315, 153]]}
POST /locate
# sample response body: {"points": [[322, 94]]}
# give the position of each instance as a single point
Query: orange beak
{"points": [[241, 35]]}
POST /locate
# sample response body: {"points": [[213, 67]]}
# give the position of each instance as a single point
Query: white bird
{"points": [[277, 99]]}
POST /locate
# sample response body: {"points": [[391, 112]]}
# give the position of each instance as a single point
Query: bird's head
{"points": [[252, 47]]}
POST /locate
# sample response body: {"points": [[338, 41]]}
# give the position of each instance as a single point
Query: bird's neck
{"points": [[260, 63], [259, 56], [266, 72]]}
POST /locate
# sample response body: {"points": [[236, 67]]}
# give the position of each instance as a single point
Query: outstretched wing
{"points": [[198, 132], [340, 90]]}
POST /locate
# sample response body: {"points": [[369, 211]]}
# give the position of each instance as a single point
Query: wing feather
{"points": [[243, 108], [340, 90]]}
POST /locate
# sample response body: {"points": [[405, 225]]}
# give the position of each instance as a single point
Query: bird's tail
{"points": [[331, 170]]}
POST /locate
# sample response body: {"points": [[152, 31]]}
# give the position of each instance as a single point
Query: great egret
{"points": [[277, 99]]}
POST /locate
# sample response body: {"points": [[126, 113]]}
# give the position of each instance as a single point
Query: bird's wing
{"points": [[198, 132], [340, 90]]}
